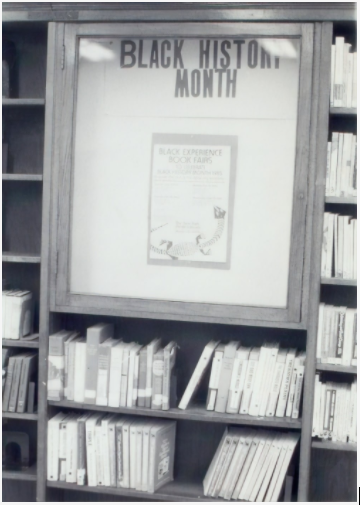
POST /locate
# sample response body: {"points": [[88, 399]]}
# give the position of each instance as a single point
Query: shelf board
{"points": [[11, 257], [193, 413], [31, 344], [28, 474], [22, 177], [333, 446], [341, 200], [343, 111], [173, 491], [338, 282], [23, 101], [20, 416], [324, 367]]}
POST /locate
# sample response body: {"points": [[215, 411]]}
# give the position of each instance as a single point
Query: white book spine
{"points": [[275, 389], [285, 384], [330, 246], [298, 391], [80, 370], [99, 455], [145, 459], [91, 454], [339, 72], [349, 79], [256, 395], [53, 438], [332, 77], [290, 401], [71, 452], [126, 456], [354, 86], [130, 380], [248, 386], [324, 244], [115, 376], [106, 452]]}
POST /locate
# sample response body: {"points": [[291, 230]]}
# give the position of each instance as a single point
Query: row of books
{"points": [[337, 335], [110, 372], [343, 91], [339, 248], [19, 381], [250, 465], [335, 411], [17, 314], [258, 381], [110, 450], [341, 167]]}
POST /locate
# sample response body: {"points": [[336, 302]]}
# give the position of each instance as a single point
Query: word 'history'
{"points": [[218, 63]]}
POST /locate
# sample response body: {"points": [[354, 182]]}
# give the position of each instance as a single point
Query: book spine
{"points": [[233, 398], [31, 398], [298, 391], [91, 454], [71, 452], [333, 163], [354, 86], [224, 384], [145, 460], [8, 383], [99, 455], [23, 386], [139, 456], [81, 464], [124, 378], [71, 372], [339, 72], [55, 378], [103, 376], [142, 377], [105, 448], [248, 387], [62, 451], [80, 367], [93, 340], [151, 476], [112, 455], [125, 483], [15, 385], [275, 389], [133, 460], [292, 388], [119, 456], [332, 75], [115, 376], [285, 385], [166, 381], [149, 366], [136, 380], [157, 381]]}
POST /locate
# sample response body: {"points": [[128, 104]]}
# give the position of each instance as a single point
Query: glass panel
{"points": [[184, 162]]}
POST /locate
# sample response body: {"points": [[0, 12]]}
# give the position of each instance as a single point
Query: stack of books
{"points": [[19, 380], [341, 168], [343, 91], [17, 314], [335, 411], [258, 381], [109, 450], [339, 248], [250, 465], [110, 372], [337, 335]]}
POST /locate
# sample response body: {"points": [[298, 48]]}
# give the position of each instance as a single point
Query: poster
{"points": [[191, 202]]}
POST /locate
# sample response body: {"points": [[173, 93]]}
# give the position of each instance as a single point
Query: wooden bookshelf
{"points": [[338, 282], [343, 111], [23, 102], [20, 416], [334, 446], [324, 367], [12, 257], [30, 344], [193, 413], [22, 177], [174, 491], [31, 115], [28, 474], [341, 200]]}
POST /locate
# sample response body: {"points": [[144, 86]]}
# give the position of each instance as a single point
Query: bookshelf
{"points": [[23, 131], [28, 256], [325, 454]]}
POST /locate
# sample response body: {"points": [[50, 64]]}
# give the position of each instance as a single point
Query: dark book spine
{"points": [[8, 383], [15, 385]]}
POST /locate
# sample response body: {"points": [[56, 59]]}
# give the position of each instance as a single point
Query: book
{"points": [[103, 371], [71, 337], [285, 383], [157, 380], [69, 391], [56, 367], [95, 335], [8, 383], [81, 449], [16, 382], [339, 72], [276, 383], [198, 373], [28, 371], [90, 429], [237, 380], [162, 455], [116, 359], [298, 362], [152, 349], [267, 378], [169, 366], [249, 380], [133, 373], [225, 376], [53, 438], [293, 439], [215, 377], [30, 409], [125, 373], [80, 367], [142, 376]]}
